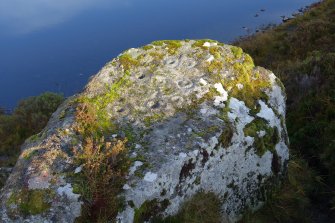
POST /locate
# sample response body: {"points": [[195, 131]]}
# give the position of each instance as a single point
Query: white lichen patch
{"points": [[206, 44], [221, 90], [267, 113], [203, 82], [182, 155], [150, 177], [219, 101], [134, 167], [67, 191], [261, 133], [126, 187], [210, 59], [240, 113], [281, 149]]}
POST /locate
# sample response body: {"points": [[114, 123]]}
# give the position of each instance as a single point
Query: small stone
{"points": [[78, 169], [210, 58], [182, 155], [207, 44], [203, 82]]}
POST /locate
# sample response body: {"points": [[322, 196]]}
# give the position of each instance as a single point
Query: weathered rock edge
{"points": [[200, 117]]}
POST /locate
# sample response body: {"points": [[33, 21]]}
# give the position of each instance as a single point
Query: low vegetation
{"points": [[202, 207], [302, 53], [290, 202], [104, 166], [29, 117]]}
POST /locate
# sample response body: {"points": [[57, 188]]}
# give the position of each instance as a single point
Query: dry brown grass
{"points": [[104, 167]]}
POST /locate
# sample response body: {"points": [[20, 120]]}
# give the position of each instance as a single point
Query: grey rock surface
{"points": [[200, 113]]}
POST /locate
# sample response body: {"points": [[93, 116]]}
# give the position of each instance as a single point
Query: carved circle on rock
{"points": [[185, 83], [159, 80], [196, 72], [171, 62], [189, 63], [154, 104], [177, 100], [140, 76], [122, 110]]}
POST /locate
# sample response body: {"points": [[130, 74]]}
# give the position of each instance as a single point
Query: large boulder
{"points": [[198, 116]]}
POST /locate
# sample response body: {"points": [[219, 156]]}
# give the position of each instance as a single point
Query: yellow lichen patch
{"points": [[157, 57], [252, 83], [171, 45], [215, 66], [215, 51], [237, 52], [147, 47], [200, 43], [127, 61], [99, 103]]}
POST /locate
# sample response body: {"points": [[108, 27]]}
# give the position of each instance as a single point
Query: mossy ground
{"points": [[149, 210], [287, 203], [203, 207]]}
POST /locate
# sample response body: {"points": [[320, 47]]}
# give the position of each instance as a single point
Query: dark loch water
{"points": [[56, 45]]}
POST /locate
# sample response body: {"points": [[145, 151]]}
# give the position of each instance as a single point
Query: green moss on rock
{"points": [[227, 135], [253, 84], [172, 45], [237, 52], [202, 207], [149, 210], [127, 61], [262, 143], [32, 202]]}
